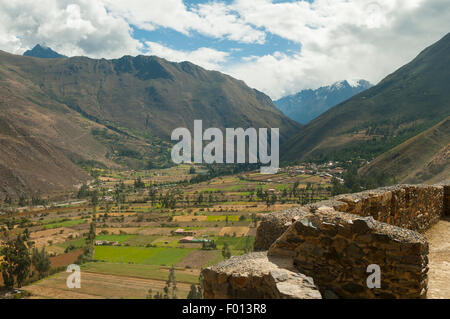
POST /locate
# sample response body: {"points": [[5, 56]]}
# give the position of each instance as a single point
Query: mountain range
{"points": [[60, 114], [306, 105], [406, 103]]}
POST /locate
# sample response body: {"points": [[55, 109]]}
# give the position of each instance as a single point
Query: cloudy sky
{"points": [[278, 47]]}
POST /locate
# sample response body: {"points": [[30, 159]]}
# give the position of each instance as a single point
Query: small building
{"points": [[182, 232], [192, 240], [106, 243], [187, 240]]}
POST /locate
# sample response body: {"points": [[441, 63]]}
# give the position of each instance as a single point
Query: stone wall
{"points": [[447, 201], [414, 207], [273, 226], [335, 249], [334, 242], [254, 276]]}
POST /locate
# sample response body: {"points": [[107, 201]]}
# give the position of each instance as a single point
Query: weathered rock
{"points": [[446, 200], [414, 207], [255, 276], [338, 261], [334, 242], [273, 226]]}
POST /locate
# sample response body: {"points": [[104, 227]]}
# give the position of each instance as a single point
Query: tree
{"points": [[152, 194], [23, 201], [37, 200], [254, 219], [259, 193], [83, 192], [138, 183], [196, 291], [200, 199], [8, 200], [248, 245], [270, 200], [337, 187], [226, 253], [209, 245], [170, 289], [168, 200], [94, 199], [16, 263], [91, 235], [41, 261], [294, 189], [192, 293]]}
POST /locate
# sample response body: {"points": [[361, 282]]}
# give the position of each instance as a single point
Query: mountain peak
{"points": [[306, 105], [360, 83], [404, 104], [43, 52]]}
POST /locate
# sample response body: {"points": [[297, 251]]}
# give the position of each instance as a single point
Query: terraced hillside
{"points": [[423, 158]]}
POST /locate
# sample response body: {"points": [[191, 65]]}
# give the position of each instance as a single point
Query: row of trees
{"points": [[20, 257], [170, 289], [17, 260], [26, 200]]}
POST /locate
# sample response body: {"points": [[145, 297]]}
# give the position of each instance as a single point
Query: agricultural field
{"points": [[129, 230]]}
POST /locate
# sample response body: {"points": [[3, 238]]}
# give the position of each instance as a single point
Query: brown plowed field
{"points": [[99, 286]]}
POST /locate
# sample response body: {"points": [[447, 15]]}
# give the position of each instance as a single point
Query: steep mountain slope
{"points": [[306, 105], [405, 103], [423, 158], [111, 113], [148, 95], [43, 52]]}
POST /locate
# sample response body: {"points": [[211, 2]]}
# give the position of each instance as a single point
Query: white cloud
{"points": [[340, 39], [208, 58], [212, 19], [76, 27]]}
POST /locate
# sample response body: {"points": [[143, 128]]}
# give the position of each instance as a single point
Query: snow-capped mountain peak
{"points": [[308, 104]]}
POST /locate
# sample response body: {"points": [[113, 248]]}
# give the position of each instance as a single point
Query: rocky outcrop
{"points": [[414, 207], [254, 276], [337, 243], [273, 226], [446, 201], [337, 248]]}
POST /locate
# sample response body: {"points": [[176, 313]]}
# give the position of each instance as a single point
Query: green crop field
{"points": [[140, 255], [235, 243], [231, 218], [141, 240], [117, 238], [209, 190], [68, 223], [235, 188], [77, 243]]}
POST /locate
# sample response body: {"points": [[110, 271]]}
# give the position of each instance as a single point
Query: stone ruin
{"points": [[323, 250]]}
